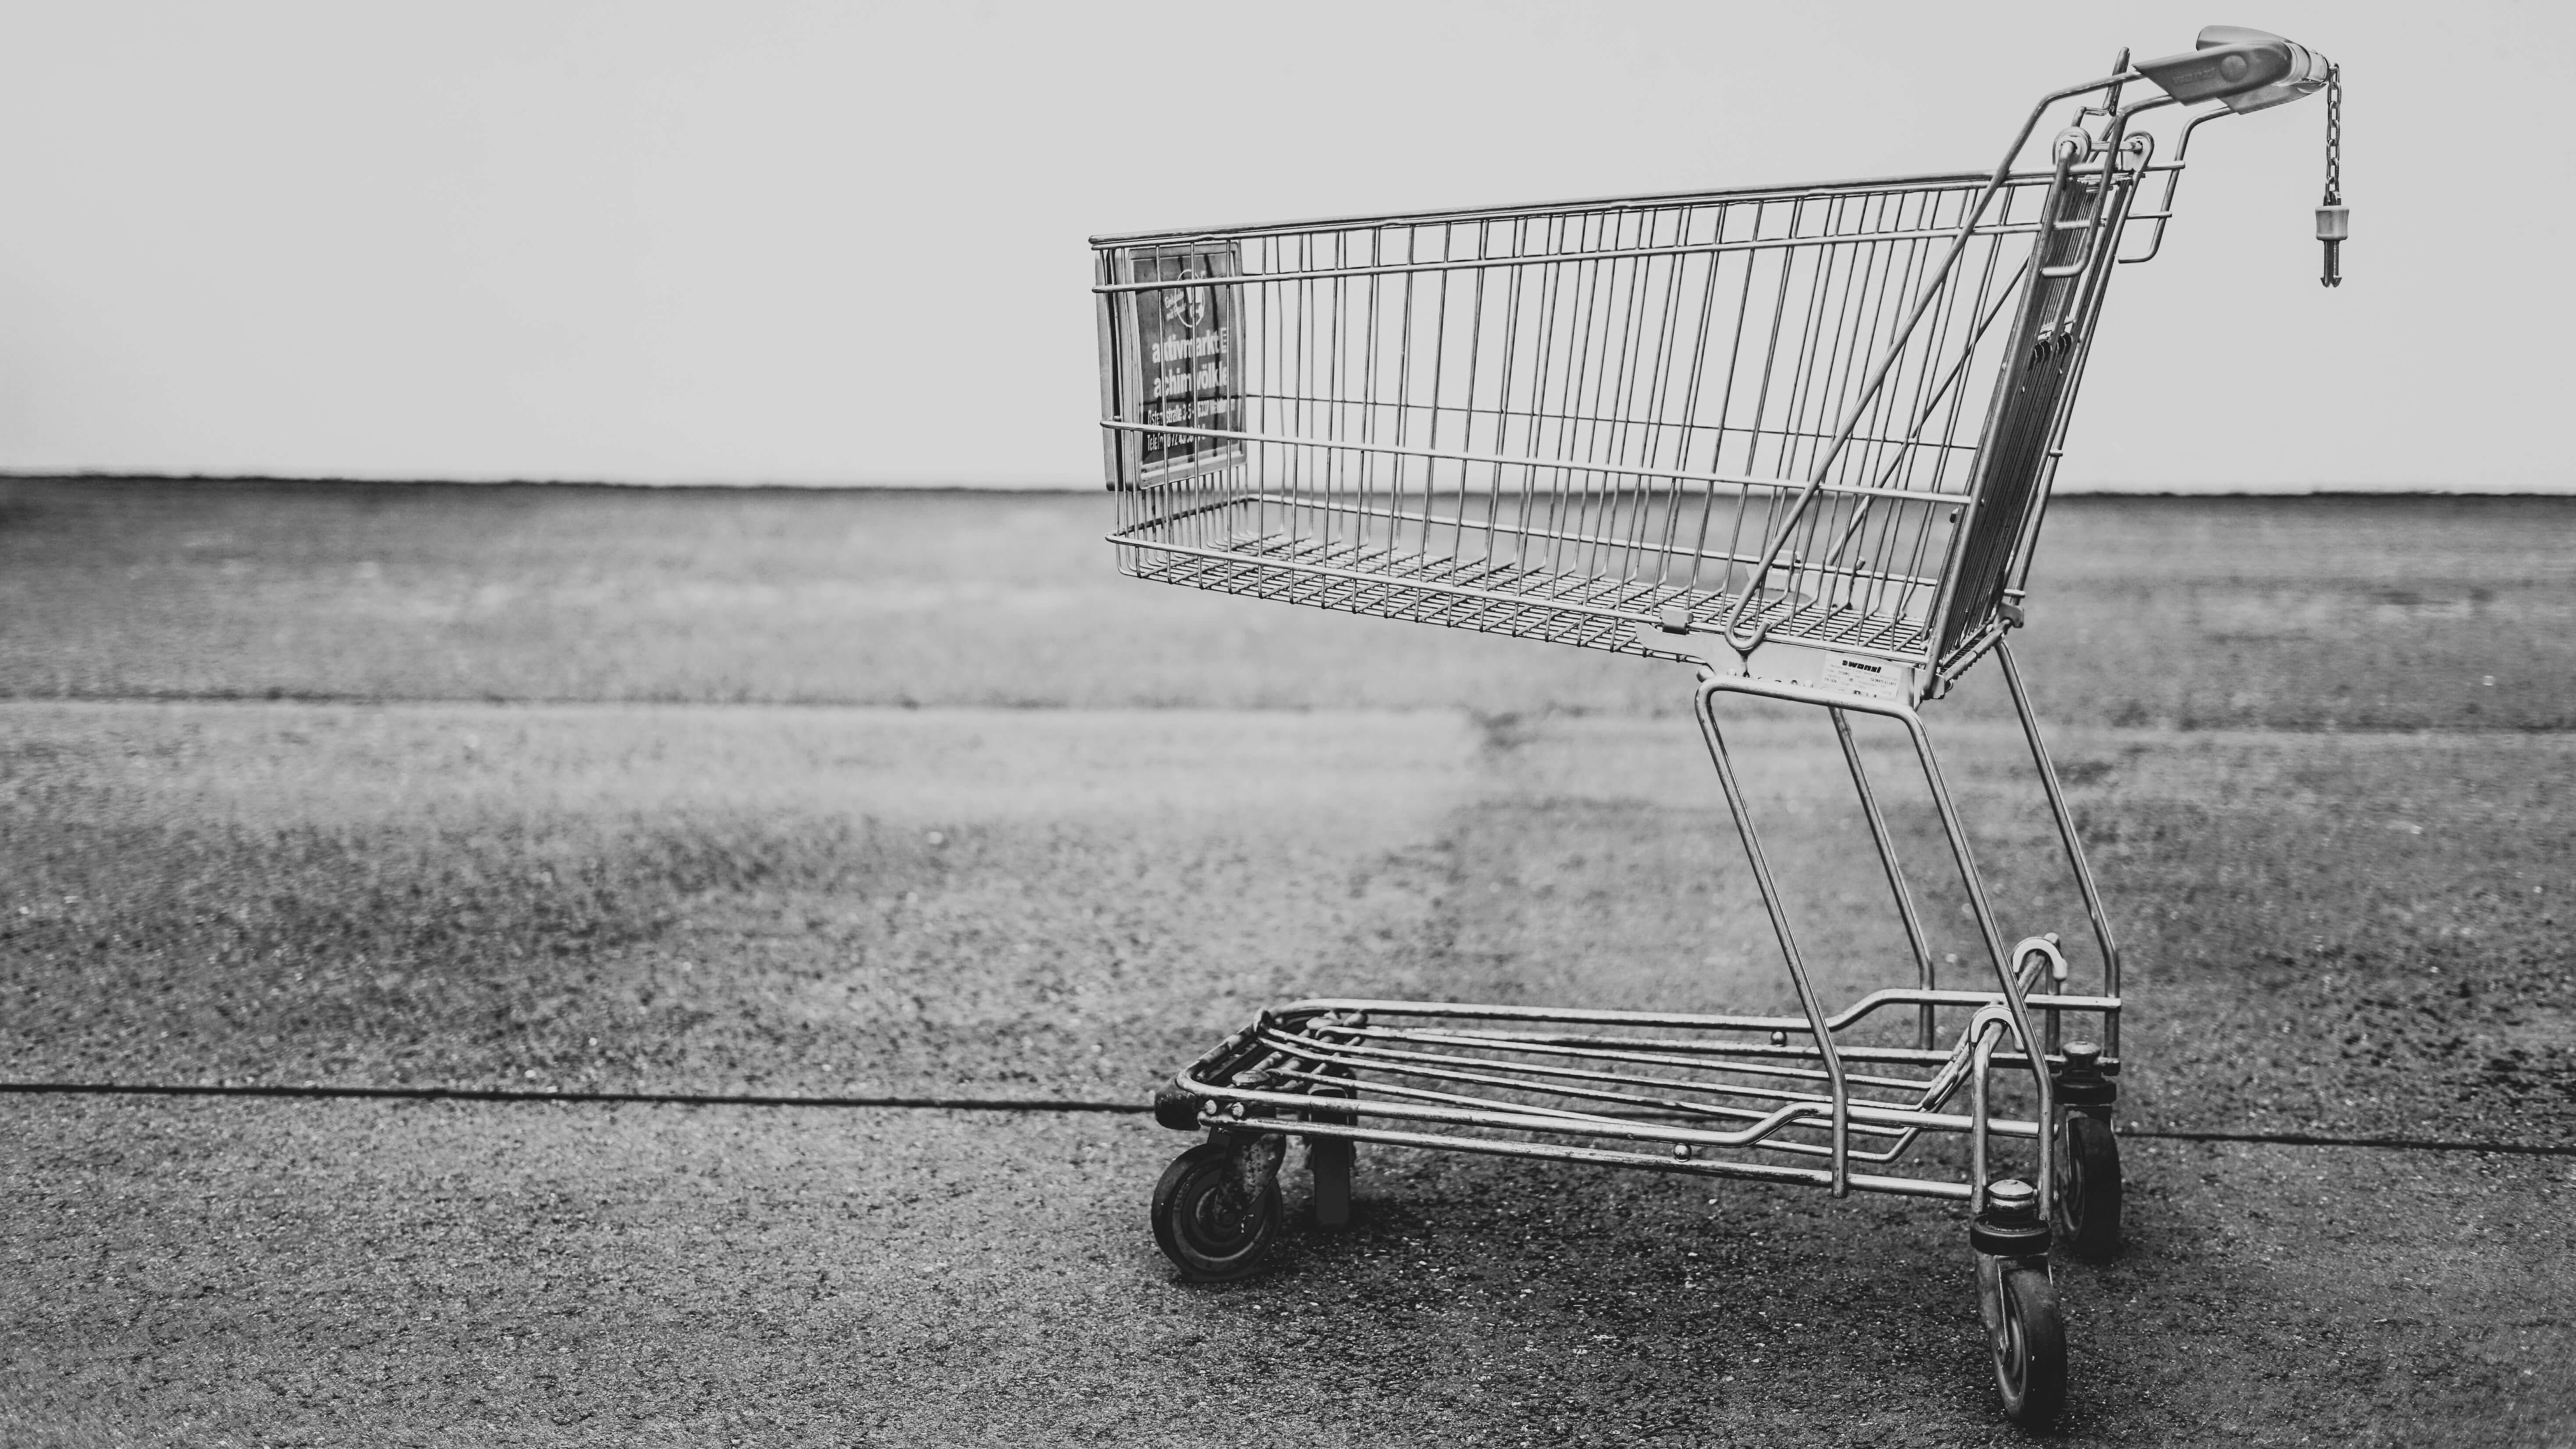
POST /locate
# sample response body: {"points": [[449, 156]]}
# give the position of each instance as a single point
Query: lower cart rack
{"points": [[1757, 1097], [1838, 1101], [1713, 1095]]}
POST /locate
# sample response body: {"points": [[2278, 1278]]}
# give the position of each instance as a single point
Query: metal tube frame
{"points": [[1925, 972], [2068, 836], [1297, 1071], [2007, 978]]}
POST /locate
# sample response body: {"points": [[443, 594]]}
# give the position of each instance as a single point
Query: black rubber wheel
{"points": [[1205, 1222], [2088, 1186], [2029, 1347], [1330, 1160]]}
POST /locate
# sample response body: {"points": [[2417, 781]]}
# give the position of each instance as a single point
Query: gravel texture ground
{"points": [[2302, 613], [2337, 933], [2343, 914], [266, 1273]]}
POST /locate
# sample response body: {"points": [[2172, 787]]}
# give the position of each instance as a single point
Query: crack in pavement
{"points": [[1052, 1104]]}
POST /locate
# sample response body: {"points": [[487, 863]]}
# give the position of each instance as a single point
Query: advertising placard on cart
{"points": [[1177, 363]]}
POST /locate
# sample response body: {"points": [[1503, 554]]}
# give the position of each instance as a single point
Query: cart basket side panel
{"points": [[2042, 359]]}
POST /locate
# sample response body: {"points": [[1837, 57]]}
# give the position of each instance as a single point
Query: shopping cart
{"points": [[1802, 437]]}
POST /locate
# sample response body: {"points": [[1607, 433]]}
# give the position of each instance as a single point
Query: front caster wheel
{"points": [[2088, 1186], [2027, 1334], [1209, 1220]]}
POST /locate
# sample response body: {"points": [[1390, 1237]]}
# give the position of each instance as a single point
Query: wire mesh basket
{"points": [[1796, 414]]}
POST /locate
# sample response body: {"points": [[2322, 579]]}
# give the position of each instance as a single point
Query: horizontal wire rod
{"points": [[1539, 462], [1851, 571], [1648, 423], [1543, 259], [1491, 215]]}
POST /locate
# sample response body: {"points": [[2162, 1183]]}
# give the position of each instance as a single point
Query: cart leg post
{"points": [[1706, 708], [2074, 843], [2007, 974], [1980, 1062], [1895, 874]]}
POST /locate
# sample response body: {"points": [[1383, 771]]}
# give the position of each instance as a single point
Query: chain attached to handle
{"points": [[2334, 223]]}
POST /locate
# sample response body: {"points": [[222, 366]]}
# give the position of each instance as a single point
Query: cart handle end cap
{"points": [[2249, 70]]}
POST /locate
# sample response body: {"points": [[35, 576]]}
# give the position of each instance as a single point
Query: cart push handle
{"points": [[2250, 70], [2244, 69]]}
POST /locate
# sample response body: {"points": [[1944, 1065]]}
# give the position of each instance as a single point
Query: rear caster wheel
{"points": [[1216, 1210], [1330, 1158], [2088, 1186], [2027, 1335]]}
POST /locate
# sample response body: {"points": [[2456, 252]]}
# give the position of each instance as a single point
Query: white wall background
{"points": [[844, 243]]}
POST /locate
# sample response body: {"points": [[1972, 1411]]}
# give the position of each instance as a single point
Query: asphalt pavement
{"points": [[435, 1273], [582, 793]]}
